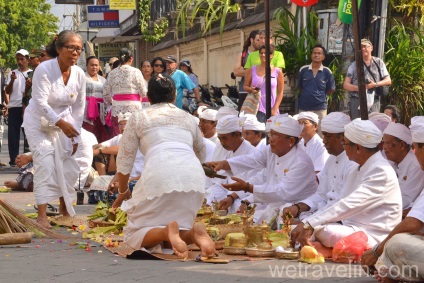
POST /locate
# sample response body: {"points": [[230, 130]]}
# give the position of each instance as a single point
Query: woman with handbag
{"points": [[255, 85], [53, 121]]}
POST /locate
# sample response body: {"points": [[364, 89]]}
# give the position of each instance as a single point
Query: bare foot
{"points": [[202, 239], [44, 222], [178, 245], [383, 279], [11, 184], [325, 251], [62, 207]]}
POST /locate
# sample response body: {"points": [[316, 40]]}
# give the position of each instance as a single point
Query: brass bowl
{"points": [[254, 252], [234, 251], [287, 255]]}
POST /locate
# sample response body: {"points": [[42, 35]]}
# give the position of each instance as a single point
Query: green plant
{"points": [[211, 11], [334, 99], [159, 28], [296, 49], [405, 63]]}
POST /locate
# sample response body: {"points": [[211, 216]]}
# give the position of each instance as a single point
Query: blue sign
{"points": [[100, 16]]}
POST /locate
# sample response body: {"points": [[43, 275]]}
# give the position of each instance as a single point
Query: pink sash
{"points": [[124, 97], [92, 109]]}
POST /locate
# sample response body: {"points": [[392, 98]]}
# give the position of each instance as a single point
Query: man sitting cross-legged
{"points": [[371, 199]]}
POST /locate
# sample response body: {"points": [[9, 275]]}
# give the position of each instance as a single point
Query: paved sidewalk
{"points": [[52, 260]]}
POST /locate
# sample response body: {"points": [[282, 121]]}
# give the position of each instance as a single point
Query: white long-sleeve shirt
{"points": [[371, 200], [331, 181], [411, 179], [288, 178], [316, 151]]}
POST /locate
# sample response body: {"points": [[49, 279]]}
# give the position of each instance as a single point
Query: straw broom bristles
{"points": [[13, 221]]}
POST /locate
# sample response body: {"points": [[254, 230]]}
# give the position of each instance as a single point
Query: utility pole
{"points": [[359, 63]]}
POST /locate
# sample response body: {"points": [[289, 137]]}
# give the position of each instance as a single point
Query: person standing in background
{"points": [[15, 89]]}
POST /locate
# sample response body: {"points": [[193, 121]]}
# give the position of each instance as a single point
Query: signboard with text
{"points": [[100, 16], [122, 4], [109, 50]]}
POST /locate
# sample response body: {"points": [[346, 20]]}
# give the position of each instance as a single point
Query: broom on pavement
{"points": [[16, 228]]}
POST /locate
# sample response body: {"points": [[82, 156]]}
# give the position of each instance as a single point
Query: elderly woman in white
{"points": [[53, 122]]}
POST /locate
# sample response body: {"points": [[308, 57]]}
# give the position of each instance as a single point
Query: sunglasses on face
{"points": [[158, 65]]}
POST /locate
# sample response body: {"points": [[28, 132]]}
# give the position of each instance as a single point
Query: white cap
{"points": [[363, 132], [287, 125], [334, 123], [381, 120], [308, 115], [224, 111], [252, 123], [23, 52], [399, 131], [229, 124], [124, 116], [271, 120], [417, 129], [206, 113]]}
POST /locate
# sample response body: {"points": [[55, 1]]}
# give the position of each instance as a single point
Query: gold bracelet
{"points": [[126, 191]]}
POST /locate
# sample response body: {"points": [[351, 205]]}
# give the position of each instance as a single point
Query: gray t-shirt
{"points": [[375, 61]]}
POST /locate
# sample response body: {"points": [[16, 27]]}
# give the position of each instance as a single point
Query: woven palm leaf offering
{"points": [[105, 220]]}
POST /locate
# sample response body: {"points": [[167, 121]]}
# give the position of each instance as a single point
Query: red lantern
{"points": [[305, 3]]}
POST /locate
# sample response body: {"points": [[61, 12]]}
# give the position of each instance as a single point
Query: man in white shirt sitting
{"points": [[334, 174], [208, 122], [399, 257], [288, 174], [254, 131], [397, 147], [371, 200], [311, 142], [229, 130]]}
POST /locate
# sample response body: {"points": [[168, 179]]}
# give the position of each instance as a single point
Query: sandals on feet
{"points": [[51, 210], [214, 259]]}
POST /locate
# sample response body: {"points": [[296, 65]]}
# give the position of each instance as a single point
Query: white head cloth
{"points": [[417, 129], [224, 111], [252, 123], [381, 120], [271, 120], [363, 132], [308, 115], [229, 124], [124, 116], [400, 131], [207, 114], [287, 125], [334, 122]]}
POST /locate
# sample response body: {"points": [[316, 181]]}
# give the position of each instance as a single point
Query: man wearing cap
{"points": [[397, 147], [376, 76], [335, 172], [315, 83], [400, 256], [34, 61], [311, 142], [15, 89], [208, 122], [287, 176], [182, 81], [370, 201], [254, 131], [229, 129]]}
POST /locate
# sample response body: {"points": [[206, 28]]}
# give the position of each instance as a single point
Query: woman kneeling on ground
{"points": [[171, 189]]}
